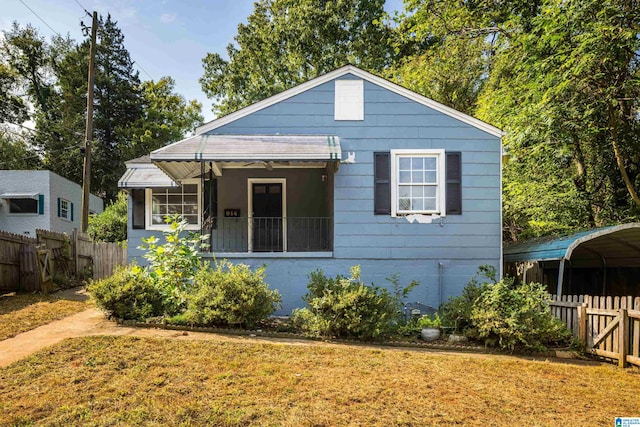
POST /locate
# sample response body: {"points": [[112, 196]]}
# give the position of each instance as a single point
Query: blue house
{"points": [[345, 169]]}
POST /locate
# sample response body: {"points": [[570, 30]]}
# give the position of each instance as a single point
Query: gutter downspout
{"points": [[440, 268]]}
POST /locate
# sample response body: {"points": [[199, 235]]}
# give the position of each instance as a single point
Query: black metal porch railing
{"points": [[272, 234]]}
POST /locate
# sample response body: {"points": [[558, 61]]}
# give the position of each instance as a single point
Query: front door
{"points": [[267, 217]]}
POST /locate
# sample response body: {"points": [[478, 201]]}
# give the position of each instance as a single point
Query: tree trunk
{"points": [[613, 127], [581, 181]]}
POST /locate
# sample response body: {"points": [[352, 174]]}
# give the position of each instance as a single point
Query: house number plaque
{"points": [[232, 213]]}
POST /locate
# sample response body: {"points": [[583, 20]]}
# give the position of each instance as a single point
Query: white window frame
{"points": [[439, 154], [148, 208], [67, 216]]}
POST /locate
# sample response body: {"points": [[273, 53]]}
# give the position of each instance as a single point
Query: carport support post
{"points": [[560, 277]]}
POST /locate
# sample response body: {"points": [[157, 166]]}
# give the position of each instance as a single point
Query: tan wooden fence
{"points": [[26, 264], [608, 327]]}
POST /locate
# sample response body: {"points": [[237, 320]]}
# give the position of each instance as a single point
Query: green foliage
{"points": [[457, 311], [517, 316], [130, 293], [427, 321], [504, 314], [176, 284], [287, 42], [345, 307], [111, 224], [166, 117], [173, 264], [131, 117], [230, 295]]}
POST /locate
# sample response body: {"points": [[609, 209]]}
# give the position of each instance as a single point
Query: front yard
{"points": [[23, 312], [149, 381]]}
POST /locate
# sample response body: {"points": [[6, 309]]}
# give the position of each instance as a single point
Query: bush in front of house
{"points": [[130, 293], [345, 307], [177, 285], [504, 314], [517, 316], [229, 295], [174, 263]]}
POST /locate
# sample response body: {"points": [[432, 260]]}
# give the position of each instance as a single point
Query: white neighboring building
{"points": [[41, 199]]}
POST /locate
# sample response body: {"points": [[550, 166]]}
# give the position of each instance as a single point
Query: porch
{"points": [[256, 194]]}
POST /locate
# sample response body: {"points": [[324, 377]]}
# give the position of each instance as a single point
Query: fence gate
{"points": [[607, 326]]}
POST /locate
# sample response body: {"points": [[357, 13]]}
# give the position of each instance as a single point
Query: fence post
{"points": [[74, 243], [582, 324], [623, 337]]}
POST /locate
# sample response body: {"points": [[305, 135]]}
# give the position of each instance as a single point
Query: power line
{"points": [[38, 16], [83, 8], [134, 62]]}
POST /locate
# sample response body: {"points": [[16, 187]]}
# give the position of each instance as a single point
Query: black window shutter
{"points": [[454, 183], [382, 184], [137, 213]]}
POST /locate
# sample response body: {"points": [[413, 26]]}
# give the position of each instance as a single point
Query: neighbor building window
{"points": [[417, 182], [65, 211], [183, 200], [23, 206]]}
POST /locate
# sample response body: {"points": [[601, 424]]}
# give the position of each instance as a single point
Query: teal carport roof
{"points": [[619, 245]]}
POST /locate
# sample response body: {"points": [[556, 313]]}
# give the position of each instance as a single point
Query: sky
{"points": [[164, 37]]}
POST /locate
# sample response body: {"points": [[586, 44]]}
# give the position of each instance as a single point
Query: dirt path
{"points": [[93, 322]]}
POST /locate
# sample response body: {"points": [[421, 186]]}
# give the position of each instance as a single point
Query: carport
{"points": [[601, 261]]}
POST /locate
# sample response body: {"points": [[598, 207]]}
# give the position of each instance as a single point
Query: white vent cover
{"points": [[349, 100]]}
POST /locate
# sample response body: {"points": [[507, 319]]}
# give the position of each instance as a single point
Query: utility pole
{"points": [[86, 172]]}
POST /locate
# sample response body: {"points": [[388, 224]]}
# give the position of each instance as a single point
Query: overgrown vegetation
{"points": [[130, 293], [504, 314], [177, 286], [111, 224], [345, 307], [229, 295]]}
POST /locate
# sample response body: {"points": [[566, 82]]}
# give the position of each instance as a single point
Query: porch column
{"points": [[560, 277]]}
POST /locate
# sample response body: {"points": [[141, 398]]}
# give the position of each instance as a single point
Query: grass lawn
{"points": [[100, 381], [23, 312]]}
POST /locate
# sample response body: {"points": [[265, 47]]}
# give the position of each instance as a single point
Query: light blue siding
{"points": [[381, 244]]}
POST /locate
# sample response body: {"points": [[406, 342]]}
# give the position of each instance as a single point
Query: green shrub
{"points": [[516, 316], [456, 312], [228, 295], [345, 307], [111, 224], [173, 264], [129, 293]]}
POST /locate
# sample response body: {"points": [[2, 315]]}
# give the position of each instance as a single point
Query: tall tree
{"points": [[286, 42], [166, 117], [570, 85], [117, 108]]}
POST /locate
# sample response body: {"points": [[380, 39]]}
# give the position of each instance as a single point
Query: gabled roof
{"points": [[350, 69]]}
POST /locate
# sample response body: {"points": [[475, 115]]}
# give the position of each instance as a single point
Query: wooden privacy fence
{"points": [[28, 264], [607, 326]]}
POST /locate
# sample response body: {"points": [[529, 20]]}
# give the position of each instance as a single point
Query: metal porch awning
{"points": [[614, 246], [141, 173], [183, 159], [19, 195]]}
